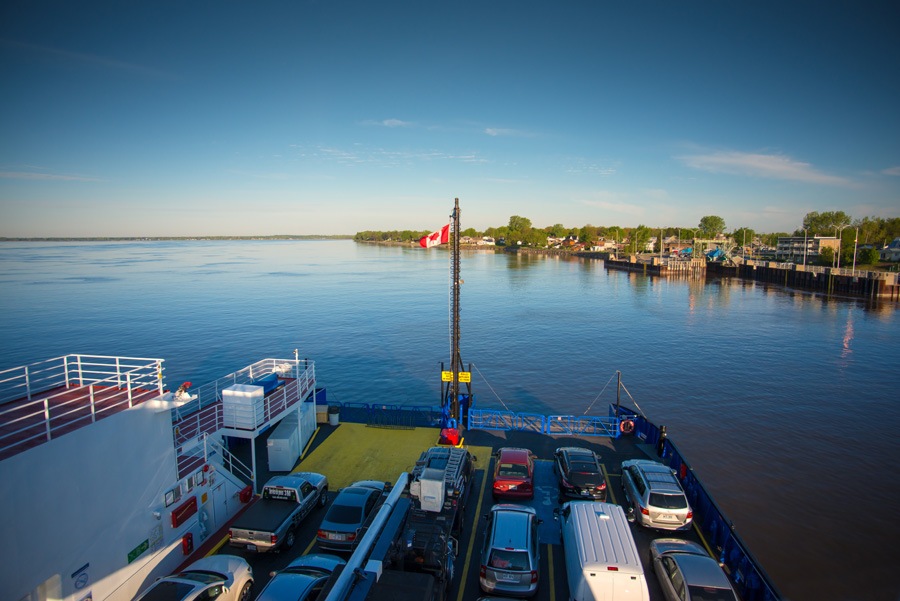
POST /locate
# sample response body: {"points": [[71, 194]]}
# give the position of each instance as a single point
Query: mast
{"points": [[456, 361]]}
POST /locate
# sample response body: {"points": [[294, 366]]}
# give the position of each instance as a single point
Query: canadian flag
{"points": [[442, 236]]}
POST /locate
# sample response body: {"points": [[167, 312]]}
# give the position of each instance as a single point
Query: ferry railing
{"points": [[748, 576], [204, 414], [565, 425], [49, 398], [214, 450]]}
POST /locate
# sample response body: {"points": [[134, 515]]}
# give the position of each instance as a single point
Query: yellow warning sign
{"points": [[464, 376]]}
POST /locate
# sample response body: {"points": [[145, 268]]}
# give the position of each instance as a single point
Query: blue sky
{"points": [[204, 118]]}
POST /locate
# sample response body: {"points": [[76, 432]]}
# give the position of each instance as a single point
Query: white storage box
{"points": [[243, 407], [284, 444]]}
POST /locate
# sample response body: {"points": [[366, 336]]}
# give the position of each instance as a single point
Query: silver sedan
{"points": [[686, 572]]}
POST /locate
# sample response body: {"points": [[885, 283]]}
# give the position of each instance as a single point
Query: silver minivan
{"points": [[510, 558], [655, 496]]}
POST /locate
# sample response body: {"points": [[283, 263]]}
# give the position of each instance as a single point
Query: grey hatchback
{"points": [[510, 558]]}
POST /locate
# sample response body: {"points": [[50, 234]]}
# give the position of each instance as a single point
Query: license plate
{"points": [[667, 517], [251, 547], [585, 493], [333, 536], [507, 577]]}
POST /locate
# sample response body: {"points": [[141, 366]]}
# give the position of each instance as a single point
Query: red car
{"points": [[514, 474]]}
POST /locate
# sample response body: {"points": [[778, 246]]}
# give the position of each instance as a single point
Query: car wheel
{"points": [[245, 592], [323, 497], [289, 539]]}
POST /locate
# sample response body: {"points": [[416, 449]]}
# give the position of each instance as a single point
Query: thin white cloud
{"points": [[892, 171], [88, 59], [496, 131], [389, 123], [612, 202], [771, 166], [46, 176], [498, 180]]}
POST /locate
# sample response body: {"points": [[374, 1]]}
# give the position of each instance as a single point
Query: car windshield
{"points": [[509, 560], [167, 590], [709, 593], [201, 576], [513, 470], [667, 501], [344, 514]]}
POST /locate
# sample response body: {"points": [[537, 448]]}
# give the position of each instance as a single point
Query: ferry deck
{"points": [[352, 451]]}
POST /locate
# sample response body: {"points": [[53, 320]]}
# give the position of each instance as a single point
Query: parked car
{"points": [[349, 514], [686, 572], [220, 577], [655, 496], [510, 558], [580, 476], [302, 580], [514, 474]]}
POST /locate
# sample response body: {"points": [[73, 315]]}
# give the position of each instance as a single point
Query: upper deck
{"points": [[42, 401]]}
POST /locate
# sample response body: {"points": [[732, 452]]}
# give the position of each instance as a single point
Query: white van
{"points": [[602, 562]]}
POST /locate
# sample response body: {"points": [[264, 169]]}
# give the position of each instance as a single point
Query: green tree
{"points": [[824, 224], [639, 237], [519, 224], [826, 257], [558, 230], [470, 232], [743, 236], [587, 234], [868, 256], [711, 226]]}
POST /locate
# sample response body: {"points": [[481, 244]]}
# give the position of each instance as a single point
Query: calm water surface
{"points": [[784, 402]]}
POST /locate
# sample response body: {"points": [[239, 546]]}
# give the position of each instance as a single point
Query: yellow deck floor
{"points": [[357, 452]]}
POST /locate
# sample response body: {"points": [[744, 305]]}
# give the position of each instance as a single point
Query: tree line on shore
{"points": [[876, 231]]}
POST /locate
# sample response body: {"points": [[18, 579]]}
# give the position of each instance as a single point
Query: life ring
{"points": [[627, 426]]}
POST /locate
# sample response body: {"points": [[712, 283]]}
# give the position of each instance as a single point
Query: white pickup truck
{"points": [[269, 524]]}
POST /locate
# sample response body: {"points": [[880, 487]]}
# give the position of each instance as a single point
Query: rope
{"points": [[641, 411], [598, 396], [489, 386]]}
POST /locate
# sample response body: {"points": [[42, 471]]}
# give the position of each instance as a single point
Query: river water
{"points": [[784, 402]]}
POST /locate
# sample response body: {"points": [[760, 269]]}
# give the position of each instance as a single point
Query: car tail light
{"points": [[230, 535], [321, 534], [690, 515], [350, 537], [612, 568], [482, 572], [644, 510], [602, 486], [533, 576], [566, 484], [274, 539]]}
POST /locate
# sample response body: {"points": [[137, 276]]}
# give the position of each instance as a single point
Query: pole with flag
{"points": [[442, 236]]}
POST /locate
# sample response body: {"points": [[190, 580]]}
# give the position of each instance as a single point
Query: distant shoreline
{"points": [[171, 238]]}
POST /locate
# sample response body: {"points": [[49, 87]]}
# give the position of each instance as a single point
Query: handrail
{"points": [[229, 461], [360, 554], [39, 400], [744, 570], [205, 415]]}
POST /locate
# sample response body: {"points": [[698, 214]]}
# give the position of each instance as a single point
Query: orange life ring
{"points": [[627, 426]]}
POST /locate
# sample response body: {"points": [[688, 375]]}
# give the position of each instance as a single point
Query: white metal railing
{"points": [[226, 458], [38, 400], [204, 414], [211, 392]]}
